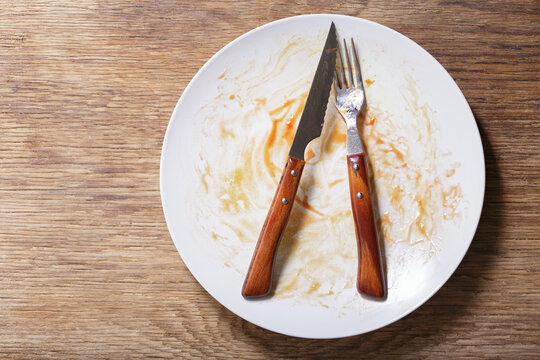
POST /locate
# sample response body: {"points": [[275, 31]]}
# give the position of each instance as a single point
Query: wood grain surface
{"points": [[87, 266]]}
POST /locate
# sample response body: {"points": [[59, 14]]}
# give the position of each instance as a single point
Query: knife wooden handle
{"points": [[371, 280], [259, 277]]}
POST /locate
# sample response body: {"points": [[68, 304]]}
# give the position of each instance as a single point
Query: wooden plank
{"points": [[88, 267]]}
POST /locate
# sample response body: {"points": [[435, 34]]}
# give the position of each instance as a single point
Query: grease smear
{"points": [[245, 135]]}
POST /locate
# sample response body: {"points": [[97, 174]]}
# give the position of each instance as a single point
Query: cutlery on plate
{"points": [[350, 102], [259, 277]]}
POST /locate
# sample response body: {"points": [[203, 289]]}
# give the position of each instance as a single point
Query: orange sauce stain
{"points": [[397, 195], [231, 97], [273, 169], [398, 154], [388, 148], [422, 216], [304, 203], [287, 105], [451, 199], [369, 119], [290, 287], [224, 132], [385, 220], [284, 119], [235, 180], [369, 82], [204, 182], [428, 194], [290, 128], [337, 136], [314, 287], [222, 75], [379, 141], [335, 182], [309, 155], [289, 124], [272, 136]]}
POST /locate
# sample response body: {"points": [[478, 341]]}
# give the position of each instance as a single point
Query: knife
{"points": [[259, 276]]}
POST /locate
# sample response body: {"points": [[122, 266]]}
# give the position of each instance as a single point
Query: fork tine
{"points": [[351, 79], [341, 73], [358, 69], [337, 81]]}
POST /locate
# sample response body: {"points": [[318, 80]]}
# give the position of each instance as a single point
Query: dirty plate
{"points": [[227, 142]]}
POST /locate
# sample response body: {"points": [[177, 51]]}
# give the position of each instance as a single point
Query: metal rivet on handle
{"points": [[356, 166], [359, 195], [285, 201], [294, 173]]}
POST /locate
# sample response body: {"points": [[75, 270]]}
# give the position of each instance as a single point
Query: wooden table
{"points": [[87, 266]]}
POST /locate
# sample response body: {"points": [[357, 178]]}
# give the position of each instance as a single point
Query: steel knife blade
{"points": [[312, 119]]}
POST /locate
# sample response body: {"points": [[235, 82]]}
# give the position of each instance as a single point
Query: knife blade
{"points": [[259, 276]]}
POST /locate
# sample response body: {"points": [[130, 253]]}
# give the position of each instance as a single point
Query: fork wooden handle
{"points": [[259, 277], [371, 280]]}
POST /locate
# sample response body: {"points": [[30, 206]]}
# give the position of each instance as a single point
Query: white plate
{"points": [[210, 127]]}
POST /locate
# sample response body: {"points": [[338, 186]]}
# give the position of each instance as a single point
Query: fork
{"points": [[351, 102]]}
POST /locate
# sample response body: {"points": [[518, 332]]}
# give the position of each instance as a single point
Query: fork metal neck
{"points": [[354, 142]]}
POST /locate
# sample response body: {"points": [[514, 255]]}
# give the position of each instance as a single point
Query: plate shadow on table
{"points": [[429, 324]]}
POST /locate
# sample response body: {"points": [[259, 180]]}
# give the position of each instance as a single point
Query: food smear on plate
{"points": [[245, 134]]}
